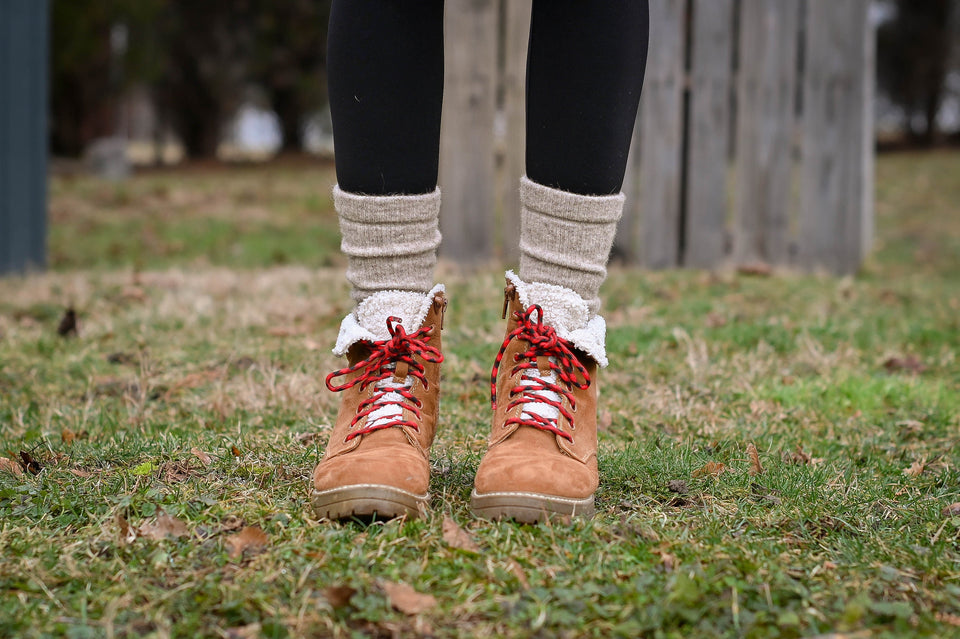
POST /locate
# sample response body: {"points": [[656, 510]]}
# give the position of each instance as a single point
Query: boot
{"points": [[377, 459], [541, 458]]}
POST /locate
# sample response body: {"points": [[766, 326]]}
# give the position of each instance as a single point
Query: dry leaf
{"points": [[715, 320], [759, 269], [953, 510], [910, 363], [127, 533], [67, 436], [947, 618], [10, 466], [29, 464], [756, 468], [406, 599], [667, 560], [916, 468], [80, 473], [518, 572], [605, 421], [306, 438], [711, 469], [250, 631], [175, 471], [250, 538], [164, 526], [202, 456], [339, 596], [457, 537], [235, 451], [68, 323]]}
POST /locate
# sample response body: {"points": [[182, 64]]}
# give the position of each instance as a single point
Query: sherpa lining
{"points": [[567, 313], [368, 321]]}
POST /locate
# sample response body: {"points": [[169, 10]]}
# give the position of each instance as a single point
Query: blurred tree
{"points": [[916, 50], [204, 47], [289, 61], [85, 77]]}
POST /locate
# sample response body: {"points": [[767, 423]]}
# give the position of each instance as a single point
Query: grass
{"points": [[849, 388]]}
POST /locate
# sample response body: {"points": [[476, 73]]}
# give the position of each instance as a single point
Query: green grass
{"points": [[214, 346]]}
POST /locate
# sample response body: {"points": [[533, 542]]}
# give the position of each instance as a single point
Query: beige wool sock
{"points": [[565, 238], [390, 240]]}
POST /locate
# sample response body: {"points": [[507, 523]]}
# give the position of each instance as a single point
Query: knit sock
{"points": [[565, 238], [390, 241]]}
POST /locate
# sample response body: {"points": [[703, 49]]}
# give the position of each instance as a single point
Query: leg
{"points": [[584, 73], [385, 67]]}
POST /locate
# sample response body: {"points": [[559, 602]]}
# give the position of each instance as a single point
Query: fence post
{"points": [[834, 176], [23, 134], [661, 132], [766, 93], [466, 140], [708, 132], [516, 35]]}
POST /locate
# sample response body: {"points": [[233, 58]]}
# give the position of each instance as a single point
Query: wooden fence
{"points": [[753, 143], [23, 133]]}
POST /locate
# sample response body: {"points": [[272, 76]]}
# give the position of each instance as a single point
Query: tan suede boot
{"points": [[377, 458], [542, 454]]}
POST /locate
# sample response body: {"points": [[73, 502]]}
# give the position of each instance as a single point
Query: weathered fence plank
{"points": [[766, 100], [466, 141], [661, 132], [516, 34], [834, 179], [23, 133], [708, 131]]}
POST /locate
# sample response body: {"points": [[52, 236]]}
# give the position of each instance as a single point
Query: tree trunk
{"points": [[286, 104]]}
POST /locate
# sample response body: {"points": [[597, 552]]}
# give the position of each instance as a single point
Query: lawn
{"points": [[166, 448]]}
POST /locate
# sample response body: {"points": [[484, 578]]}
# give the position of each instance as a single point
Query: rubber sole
{"points": [[366, 501], [529, 508]]}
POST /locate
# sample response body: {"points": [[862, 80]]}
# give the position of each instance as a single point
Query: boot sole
{"points": [[529, 508], [368, 500]]}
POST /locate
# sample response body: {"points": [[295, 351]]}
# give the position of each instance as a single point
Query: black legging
{"points": [[585, 67]]}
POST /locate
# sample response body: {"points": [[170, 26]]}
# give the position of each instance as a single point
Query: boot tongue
{"points": [[410, 306]]}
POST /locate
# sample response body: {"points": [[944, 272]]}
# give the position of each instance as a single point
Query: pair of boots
{"points": [[542, 452]]}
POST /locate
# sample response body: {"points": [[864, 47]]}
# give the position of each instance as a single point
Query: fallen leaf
{"points": [[250, 538], [80, 473], [916, 468], [10, 466], [910, 363], [126, 533], [457, 537], [715, 320], [605, 421], [164, 526], [175, 471], [306, 438], [121, 358], [250, 631], [339, 596], [947, 618], [68, 436], [235, 451], [68, 323], [798, 456], [756, 468], [518, 572], [758, 269], [677, 486], [202, 456], [667, 560], [30, 464], [406, 599], [711, 469], [952, 510]]}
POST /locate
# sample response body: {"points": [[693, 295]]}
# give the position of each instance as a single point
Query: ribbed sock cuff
{"points": [[390, 240], [565, 238]]}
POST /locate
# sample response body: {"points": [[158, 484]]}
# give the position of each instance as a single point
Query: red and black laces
{"points": [[380, 365], [544, 342]]}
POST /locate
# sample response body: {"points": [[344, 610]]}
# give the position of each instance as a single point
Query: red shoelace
{"points": [[544, 342], [380, 365]]}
